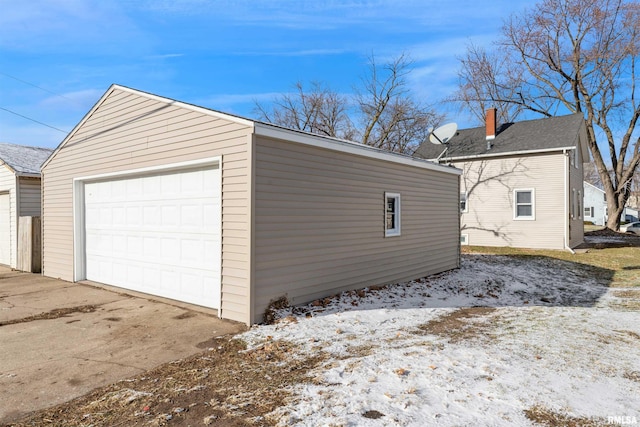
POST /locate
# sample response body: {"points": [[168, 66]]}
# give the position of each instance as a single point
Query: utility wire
{"points": [[34, 120], [38, 87]]}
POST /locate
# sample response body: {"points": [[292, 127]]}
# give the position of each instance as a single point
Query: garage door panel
{"points": [[5, 229], [157, 234]]}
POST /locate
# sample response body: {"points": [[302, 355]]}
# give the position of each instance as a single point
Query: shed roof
{"points": [[548, 134], [23, 160]]}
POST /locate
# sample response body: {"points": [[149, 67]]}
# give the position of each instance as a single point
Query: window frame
{"points": [[517, 217], [466, 202], [397, 229]]}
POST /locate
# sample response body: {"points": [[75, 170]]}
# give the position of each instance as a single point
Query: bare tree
{"points": [[388, 116], [319, 110], [591, 174], [579, 56], [391, 118]]}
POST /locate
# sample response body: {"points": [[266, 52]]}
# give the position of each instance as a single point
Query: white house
{"points": [[521, 182], [595, 204]]}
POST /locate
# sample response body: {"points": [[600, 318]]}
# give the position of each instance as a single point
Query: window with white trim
{"points": [[391, 214], [579, 201], [463, 202], [524, 204], [588, 211], [464, 239]]}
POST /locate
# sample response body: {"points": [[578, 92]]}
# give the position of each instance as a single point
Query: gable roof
{"points": [[589, 185], [270, 130], [529, 136], [23, 160]]}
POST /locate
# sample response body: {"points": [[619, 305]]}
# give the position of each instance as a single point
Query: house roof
{"points": [[548, 134], [274, 131], [594, 187], [23, 160]]}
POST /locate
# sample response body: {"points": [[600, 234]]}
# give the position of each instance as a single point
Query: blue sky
{"points": [[220, 54]]}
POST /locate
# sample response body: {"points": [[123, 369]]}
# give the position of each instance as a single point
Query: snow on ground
{"points": [[553, 339]]}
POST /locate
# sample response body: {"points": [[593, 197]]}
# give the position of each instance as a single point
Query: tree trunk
{"points": [[614, 211]]}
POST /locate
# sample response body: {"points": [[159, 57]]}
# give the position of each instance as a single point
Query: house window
{"points": [[588, 211], [464, 239], [524, 204], [576, 204], [579, 201], [392, 214], [463, 202]]}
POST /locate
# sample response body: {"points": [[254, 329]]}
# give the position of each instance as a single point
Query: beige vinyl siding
{"points": [[490, 185], [319, 222], [129, 131], [30, 196], [8, 185]]}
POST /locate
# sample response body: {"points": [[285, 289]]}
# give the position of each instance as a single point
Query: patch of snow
{"points": [[553, 340]]}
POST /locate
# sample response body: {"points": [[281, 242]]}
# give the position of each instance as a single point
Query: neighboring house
{"points": [[159, 196], [595, 204], [522, 182], [19, 193]]}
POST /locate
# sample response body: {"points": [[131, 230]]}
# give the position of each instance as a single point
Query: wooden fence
{"points": [[29, 244]]}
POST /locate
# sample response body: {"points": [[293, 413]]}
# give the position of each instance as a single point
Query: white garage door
{"points": [[5, 229], [158, 234]]}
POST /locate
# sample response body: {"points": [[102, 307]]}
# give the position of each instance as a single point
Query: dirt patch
{"points": [[547, 417], [224, 386], [460, 325], [53, 314]]}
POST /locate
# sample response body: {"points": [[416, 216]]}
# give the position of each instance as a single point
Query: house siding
{"points": [[8, 185], [30, 196], [319, 222], [490, 185], [128, 131]]}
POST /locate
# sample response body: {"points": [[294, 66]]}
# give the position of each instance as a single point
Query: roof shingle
{"points": [[529, 135], [23, 159]]}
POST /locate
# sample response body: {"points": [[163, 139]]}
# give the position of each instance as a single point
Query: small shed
{"points": [[19, 193], [159, 196]]}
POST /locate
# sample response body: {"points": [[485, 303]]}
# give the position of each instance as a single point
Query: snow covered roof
{"points": [[23, 160]]}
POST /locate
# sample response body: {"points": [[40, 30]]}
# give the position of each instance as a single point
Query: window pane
{"points": [[390, 221], [523, 197], [524, 210]]}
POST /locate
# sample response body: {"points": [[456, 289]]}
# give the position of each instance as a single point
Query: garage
{"points": [[171, 199], [156, 232], [5, 229]]}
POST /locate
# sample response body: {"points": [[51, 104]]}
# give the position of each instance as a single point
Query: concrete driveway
{"points": [[60, 340]]}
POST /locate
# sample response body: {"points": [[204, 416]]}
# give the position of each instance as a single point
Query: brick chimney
{"points": [[491, 123]]}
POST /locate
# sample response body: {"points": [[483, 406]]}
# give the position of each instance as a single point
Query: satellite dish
{"points": [[443, 134]]}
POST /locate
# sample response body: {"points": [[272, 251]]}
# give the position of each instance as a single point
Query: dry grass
{"points": [[621, 264], [460, 325], [224, 386], [550, 418]]}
